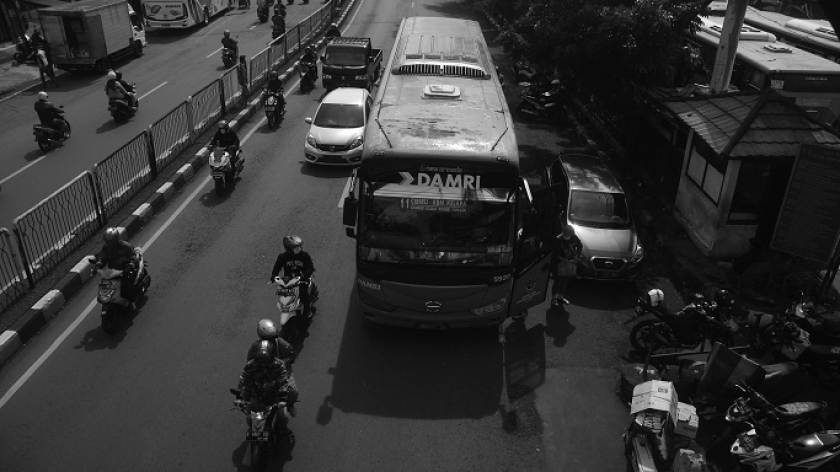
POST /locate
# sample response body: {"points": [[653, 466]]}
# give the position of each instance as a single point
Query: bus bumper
{"points": [[417, 320]]}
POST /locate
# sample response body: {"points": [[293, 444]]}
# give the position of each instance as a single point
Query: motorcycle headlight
{"points": [[327, 76], [491, 308], [361, 77], [357, 142], [310, 139]]}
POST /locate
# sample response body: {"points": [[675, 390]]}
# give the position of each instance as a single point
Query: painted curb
{"points": [[70, 285]]}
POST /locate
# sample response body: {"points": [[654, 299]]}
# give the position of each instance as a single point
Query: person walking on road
{"points": [[568, 250], [45, 68], [242, 75]]}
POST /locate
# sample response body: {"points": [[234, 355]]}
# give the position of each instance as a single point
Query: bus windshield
{"points": [[448, 226]]}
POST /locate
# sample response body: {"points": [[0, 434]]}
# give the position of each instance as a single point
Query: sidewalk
{"points": [[15, 77]]}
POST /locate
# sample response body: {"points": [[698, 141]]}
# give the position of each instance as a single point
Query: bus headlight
{"points": [[373, 302], [311, 140], [491, 308], [357, 142]]}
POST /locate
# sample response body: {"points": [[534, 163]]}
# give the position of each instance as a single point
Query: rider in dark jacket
{"points": [[266, 380], [49, 114], [333, 31], [230, 43], [226, 138], [115, 254], [311, 57], [294, 261]]}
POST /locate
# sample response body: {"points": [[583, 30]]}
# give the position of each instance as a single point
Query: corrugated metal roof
{"points": [[745, 125]]}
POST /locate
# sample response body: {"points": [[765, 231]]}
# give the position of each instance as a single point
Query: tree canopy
{"points": [[605, 49]]}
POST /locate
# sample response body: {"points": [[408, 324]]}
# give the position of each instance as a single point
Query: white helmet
{"points": [[43, 96], [112, 75]]}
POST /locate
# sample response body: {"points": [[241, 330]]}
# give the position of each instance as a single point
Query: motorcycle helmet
{"points": [[43, 96], [291, 242], [112, 75], [568, 231], [724, 299], [223, 125], [334, 25], [118, 75], [265, 352], [273, 75], [555, 83], [227, 33], [267, 330], [111, 236]]}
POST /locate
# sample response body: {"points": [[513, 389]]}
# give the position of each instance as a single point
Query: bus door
{"points": [[539, 216]]}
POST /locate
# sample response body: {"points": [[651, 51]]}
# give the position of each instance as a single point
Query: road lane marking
{"points": [[152, 90], [27, 166], [212, 53], [253, 27], [29, 372], [345, 192]]}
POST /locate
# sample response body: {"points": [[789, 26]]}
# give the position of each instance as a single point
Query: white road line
{"points": [[253, 27], [27, 166], [29, 372], [212, 53], [152, 90], [345, 192]]}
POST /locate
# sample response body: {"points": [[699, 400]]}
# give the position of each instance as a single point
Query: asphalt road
{"points": [[175, 64], [155, 395]]}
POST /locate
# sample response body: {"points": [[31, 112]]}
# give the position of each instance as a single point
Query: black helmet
{"points": [[265, 352], [292, 241], [227, 33], [724, 299], [273, 75], [111, 236]]}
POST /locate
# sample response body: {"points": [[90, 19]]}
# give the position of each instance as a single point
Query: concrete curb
{"points": [[50, 304]]}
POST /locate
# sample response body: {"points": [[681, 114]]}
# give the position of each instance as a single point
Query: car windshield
{"points": [[336, 115], [598, 209], [344, 57]]}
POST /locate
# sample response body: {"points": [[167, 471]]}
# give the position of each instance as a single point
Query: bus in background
{"points": [[182, 13], [815, 36], [448, 234], [762, 62]]}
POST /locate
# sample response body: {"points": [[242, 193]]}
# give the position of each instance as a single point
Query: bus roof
{"points": [[440, 96], [819, 33], [769, 55]]}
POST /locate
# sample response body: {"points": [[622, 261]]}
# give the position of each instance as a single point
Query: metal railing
{"points": [[61, 223]]}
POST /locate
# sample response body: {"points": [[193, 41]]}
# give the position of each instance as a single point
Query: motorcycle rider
{"points": [[333, 32], [280, 9], [268, 331], [266, 380], [115, 254], [128, 88], [230, 43], [49, 114], [310, 57], [279, 22], [226, 138], [115, 90], [295, 261], [275, 86]]}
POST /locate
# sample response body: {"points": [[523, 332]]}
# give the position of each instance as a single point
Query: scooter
{"points": [[277, 31], [786, 340], [26, 49], [766, 448], [307, 77], [228, 57], [262, 13], [535, 105], [688, 328], [262, 425], [222, 170], [291, 306], [110, 284], [822, 326], [123, 109], [49, 138], [275, 109]]}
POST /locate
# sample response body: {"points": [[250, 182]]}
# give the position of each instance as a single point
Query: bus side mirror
{"points": [[351, 205]]}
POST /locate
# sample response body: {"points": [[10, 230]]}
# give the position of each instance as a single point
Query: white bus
{"points": [[182, 13]]}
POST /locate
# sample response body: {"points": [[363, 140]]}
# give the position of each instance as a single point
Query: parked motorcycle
{"points": [[263, 425], [767, 448], [685, 329], [307, 77], [275, 108], [110, 288], [26, 49], [228, 57], [291, 306], [223, 170], [788, 419], [823, 326], [277, 31], [786, 340], [49, 138], [539, 105], [523, 71], [262, 13], [123, 109]]}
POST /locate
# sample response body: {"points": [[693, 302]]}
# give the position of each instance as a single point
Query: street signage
{"points": [[809, 220]]}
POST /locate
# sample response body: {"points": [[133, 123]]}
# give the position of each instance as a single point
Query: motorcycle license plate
{"points": [[269, 108], [603, 274], [218, 173], [260, 436]]}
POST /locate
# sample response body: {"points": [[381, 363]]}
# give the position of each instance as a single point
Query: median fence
{"points": [[46, 234]]}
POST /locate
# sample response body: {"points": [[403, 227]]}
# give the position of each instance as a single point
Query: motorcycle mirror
{"points": [[307, 120]]}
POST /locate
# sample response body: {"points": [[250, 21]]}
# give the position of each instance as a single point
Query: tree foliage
{"points": [[605, 49]]}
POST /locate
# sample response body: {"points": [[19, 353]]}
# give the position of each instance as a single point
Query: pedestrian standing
{"points": [[45, 68], [242, 75], [568, 251]]}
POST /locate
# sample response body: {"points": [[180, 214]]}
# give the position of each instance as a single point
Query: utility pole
{"points": [[728, 45]]}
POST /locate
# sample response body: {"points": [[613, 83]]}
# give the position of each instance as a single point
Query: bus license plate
{"points": [[603, 274]]}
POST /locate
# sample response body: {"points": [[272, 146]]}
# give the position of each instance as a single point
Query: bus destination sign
{"points": [[433, 204], [441, 179]]}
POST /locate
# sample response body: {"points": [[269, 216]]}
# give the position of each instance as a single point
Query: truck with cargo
{"points": [[92, 34], [350, 62]]}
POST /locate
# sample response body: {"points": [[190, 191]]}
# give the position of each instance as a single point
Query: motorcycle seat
{"points": [[810, 445], [787, 412]]}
